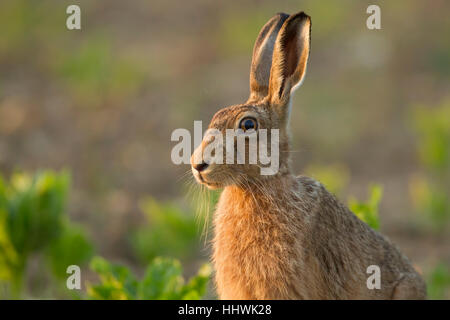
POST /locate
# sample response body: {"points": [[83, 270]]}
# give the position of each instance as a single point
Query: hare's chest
{"points": [[255, 255]]}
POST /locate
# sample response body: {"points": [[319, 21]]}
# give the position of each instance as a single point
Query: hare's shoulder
{"points": [[308, 184], [339, 225], [309, 194], [309, 189], [327, 210]]}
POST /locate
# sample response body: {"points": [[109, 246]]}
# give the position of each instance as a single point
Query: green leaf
{"points": [[162, 280], [33, 220], [438, 284], [116, 282], [368, 211], [72, 248], [169, 231], [198, 284]]}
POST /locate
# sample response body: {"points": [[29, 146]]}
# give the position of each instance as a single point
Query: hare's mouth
{"points": [[212, 185], [202, 180]]}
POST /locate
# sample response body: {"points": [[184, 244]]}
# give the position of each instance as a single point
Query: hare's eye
{"points": [[248, 123]]}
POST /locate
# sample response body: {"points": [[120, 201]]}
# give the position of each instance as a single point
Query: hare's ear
{"points": [[262, 57], [290, 57]]}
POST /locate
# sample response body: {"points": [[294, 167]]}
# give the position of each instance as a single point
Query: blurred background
{"points": [[86, 117]]}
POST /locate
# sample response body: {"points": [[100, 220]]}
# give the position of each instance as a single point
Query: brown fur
{"points": [[287, 237]]}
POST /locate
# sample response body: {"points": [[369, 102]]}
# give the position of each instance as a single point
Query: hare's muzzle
{"points": [[200, 166]]}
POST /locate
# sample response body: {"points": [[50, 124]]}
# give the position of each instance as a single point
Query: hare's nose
{"points": [[200, 166]]}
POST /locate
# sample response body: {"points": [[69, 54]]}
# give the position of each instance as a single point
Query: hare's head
{"points": [[278, 67]]}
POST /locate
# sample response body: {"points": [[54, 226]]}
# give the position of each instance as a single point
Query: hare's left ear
{"points": [[262, 57], [290, 57]]}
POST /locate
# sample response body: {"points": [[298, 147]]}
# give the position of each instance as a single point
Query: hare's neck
{"points": [[261, 198], [255, 231]]}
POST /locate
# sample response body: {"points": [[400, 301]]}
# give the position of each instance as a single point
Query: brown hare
{"points": [[280, 236]]}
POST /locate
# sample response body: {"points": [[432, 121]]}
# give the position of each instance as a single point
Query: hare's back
{"points": [[344, 247]]}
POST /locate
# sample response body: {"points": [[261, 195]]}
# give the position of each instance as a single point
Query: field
{"points": [[86, 118]]}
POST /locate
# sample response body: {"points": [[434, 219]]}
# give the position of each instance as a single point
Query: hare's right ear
{"points": [[290, 57], [262, 57]]}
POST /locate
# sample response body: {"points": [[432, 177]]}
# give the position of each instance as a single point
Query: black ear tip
{"points": [[296, 20], [302, 16]]}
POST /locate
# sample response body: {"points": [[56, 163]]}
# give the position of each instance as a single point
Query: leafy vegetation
{"points": [[162, 281], [113, 83], [169, 230], [438, 284], [368, 211], [432, 125], [33, 221], [429, 188], [173, 229]]}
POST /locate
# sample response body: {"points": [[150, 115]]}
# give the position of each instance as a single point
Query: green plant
{"points": [[438, 284], [432, 126], [33, 221], [429, 188], [172, 229], [169, 230], [72, 247], [162, 281], [368, 211]]}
